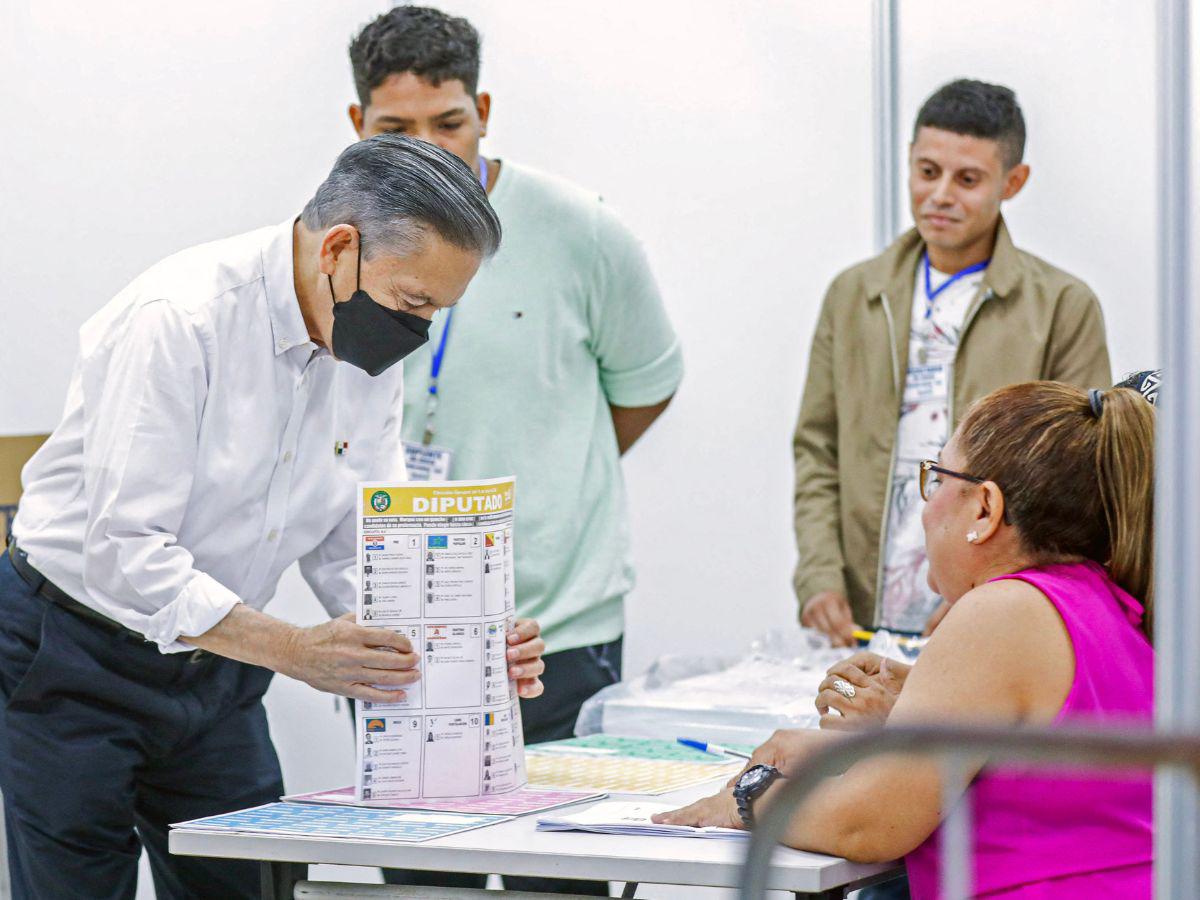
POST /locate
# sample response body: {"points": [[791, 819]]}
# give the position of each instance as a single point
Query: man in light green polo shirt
{"points": [[559, 356]]}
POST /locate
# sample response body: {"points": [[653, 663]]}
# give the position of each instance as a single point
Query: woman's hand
{"points": [[719, 810], [525, 649], [877, 682]]}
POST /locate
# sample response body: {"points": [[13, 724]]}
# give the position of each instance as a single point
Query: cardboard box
{"points": [[14, 453]]}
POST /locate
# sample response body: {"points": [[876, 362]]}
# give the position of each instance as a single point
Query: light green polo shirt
{"points": [[563, 321]]}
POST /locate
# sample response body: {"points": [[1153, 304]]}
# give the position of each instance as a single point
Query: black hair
{"points": [[981, 110], [396, 190], [418, 39]]}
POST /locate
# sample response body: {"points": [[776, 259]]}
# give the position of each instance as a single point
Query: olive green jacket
{"points": [[1029, 322]]}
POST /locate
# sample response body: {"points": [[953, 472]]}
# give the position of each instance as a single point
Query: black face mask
{"points": [[371, 336]]}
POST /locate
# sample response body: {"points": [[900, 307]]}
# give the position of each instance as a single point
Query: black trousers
{"points": [[896, 889], [104, 741], [572, 677]]}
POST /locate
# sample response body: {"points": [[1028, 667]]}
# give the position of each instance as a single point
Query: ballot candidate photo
{"points": [[222, 409]]}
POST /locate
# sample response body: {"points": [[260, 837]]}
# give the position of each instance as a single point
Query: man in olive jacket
{"points": [[905, 343]]}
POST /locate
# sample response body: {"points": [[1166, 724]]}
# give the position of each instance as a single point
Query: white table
{"points": [[517, 848]]}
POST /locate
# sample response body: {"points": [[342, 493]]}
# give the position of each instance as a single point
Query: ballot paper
{"points": [[520, 802], [623, 817], [349, 823], [588, 769], [614, 745], [436, 565]]}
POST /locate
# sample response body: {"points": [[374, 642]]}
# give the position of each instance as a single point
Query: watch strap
{"points": [[745, 797]]}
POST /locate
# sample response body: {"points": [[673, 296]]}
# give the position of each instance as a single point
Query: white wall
{"points": [[134, 129], [734, 139]]}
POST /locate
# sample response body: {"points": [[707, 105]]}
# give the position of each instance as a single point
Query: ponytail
{"points": [[1125, 475], [1077, 471]]}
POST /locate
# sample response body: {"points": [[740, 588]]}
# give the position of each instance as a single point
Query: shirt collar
{"points": [[893, 270], [1004, 271], [279, 281]]}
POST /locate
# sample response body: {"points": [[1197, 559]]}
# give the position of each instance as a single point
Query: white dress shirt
{"points": [[206, 445]]}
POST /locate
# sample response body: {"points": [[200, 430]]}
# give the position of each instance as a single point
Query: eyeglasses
{"points": [[930, 485]]}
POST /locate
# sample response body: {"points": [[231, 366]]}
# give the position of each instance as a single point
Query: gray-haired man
{"points": [[211, 439]]}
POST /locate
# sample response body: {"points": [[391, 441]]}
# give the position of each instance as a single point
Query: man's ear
{"points": [[357, 118], [483, 107], [337, 240], [1015, 180], [990, 515]]}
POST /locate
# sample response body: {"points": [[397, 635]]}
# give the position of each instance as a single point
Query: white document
{"points": [[436, 565], [626, 817]]}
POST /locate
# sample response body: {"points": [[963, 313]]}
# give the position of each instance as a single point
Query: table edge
{"points": [[423, 856]]}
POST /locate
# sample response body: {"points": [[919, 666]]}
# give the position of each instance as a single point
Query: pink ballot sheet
{"points": [[514, 803]]}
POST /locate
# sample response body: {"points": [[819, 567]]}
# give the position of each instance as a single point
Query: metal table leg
{"points": [[278, 879], [630, 890]]}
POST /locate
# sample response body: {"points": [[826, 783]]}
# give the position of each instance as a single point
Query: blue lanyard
{"points": [[439, 355], [436, 367], [931, 294]]}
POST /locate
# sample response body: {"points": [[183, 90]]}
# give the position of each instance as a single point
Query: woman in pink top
{"points": [[1038, 528]]}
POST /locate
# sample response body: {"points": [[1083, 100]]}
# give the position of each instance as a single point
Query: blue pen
{"points": [[712, 748]]}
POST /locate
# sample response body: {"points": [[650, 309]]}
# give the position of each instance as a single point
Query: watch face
{"points": [[753, 777]]}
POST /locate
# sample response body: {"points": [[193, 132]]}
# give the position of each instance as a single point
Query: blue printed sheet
{"points": [[343, 823]]}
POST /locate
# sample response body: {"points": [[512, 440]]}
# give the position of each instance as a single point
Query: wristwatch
{"points": [[752, 783]]}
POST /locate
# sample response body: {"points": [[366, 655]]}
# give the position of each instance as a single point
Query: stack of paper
{"points": [[618, 817], [342, 823], [636, 748], [623, 765], [515, 803]]}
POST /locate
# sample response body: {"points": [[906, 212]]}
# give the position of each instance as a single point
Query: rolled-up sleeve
{"points": [[640, 359], [143, 403], [330, 568]]}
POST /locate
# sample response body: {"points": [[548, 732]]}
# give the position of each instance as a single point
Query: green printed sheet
{"points": [[613, 746]]}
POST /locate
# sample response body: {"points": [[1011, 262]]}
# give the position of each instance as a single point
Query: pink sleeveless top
{"points": [[1039, 833]]}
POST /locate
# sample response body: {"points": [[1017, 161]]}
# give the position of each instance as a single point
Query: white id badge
{"points": [[426, 462], [925, 383]]}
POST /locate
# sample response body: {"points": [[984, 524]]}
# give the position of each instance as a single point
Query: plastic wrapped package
{"points": [[896, 646], [737, 699], [726, 699]]}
